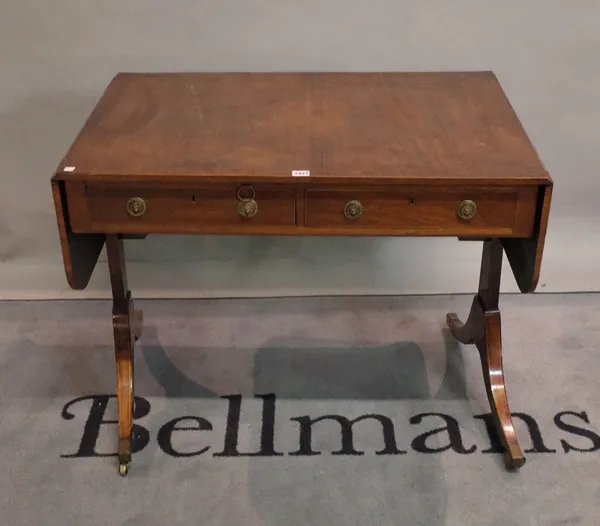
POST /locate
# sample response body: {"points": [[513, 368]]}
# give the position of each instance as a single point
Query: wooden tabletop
{"points": [[454, 126]]}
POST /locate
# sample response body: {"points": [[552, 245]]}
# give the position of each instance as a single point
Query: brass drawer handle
{"points": [[466, 210], [353, 209], [247, 206], [136, 207]]}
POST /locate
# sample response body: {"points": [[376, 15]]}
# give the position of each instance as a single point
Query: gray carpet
{"points": [[422, 457]]}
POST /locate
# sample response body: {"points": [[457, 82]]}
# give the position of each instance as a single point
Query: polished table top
{"points": [[456, 126]]}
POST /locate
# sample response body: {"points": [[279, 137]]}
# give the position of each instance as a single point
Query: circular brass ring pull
{"points": [[136, 207], [248, 208], [466, 209], [353, 209], [246, 193]]}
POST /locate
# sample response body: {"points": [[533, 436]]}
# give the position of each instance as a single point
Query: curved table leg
{"points": [[127, 328], [124, 358], [483, 328], [490, 352], [471, 331]]}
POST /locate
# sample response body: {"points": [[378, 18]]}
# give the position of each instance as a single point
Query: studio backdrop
{"points": [[57, 57]]}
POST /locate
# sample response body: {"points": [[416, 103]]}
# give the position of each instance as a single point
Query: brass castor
{"points": [[124, 456]]}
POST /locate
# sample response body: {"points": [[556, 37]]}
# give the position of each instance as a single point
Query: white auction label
{"points": [[300, 173]]}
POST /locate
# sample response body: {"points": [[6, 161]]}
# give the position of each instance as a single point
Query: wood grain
{"points": [[422, 210], [127, 327], [449, 126], [317, 210], [79, 251], [483, 328], [187, 210], [525, 255]]}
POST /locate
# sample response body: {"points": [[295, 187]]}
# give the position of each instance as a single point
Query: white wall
{"points": [[56, 58]]}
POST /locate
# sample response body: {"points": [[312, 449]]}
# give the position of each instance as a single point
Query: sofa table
{"points": [[307, 154]]}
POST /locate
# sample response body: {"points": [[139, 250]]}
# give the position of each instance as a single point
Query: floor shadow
{"points": [[290, 367], [319, 370], [453, 385], [175, 382]]}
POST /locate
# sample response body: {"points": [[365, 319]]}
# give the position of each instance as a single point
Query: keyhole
{"points": [[411, 201], [193, 199]]}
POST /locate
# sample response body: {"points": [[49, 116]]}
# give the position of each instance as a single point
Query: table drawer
{"points": [[115, 208], [420, 211]]}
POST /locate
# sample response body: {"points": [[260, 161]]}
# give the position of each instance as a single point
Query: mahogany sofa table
{"points": [[310, 154]]}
